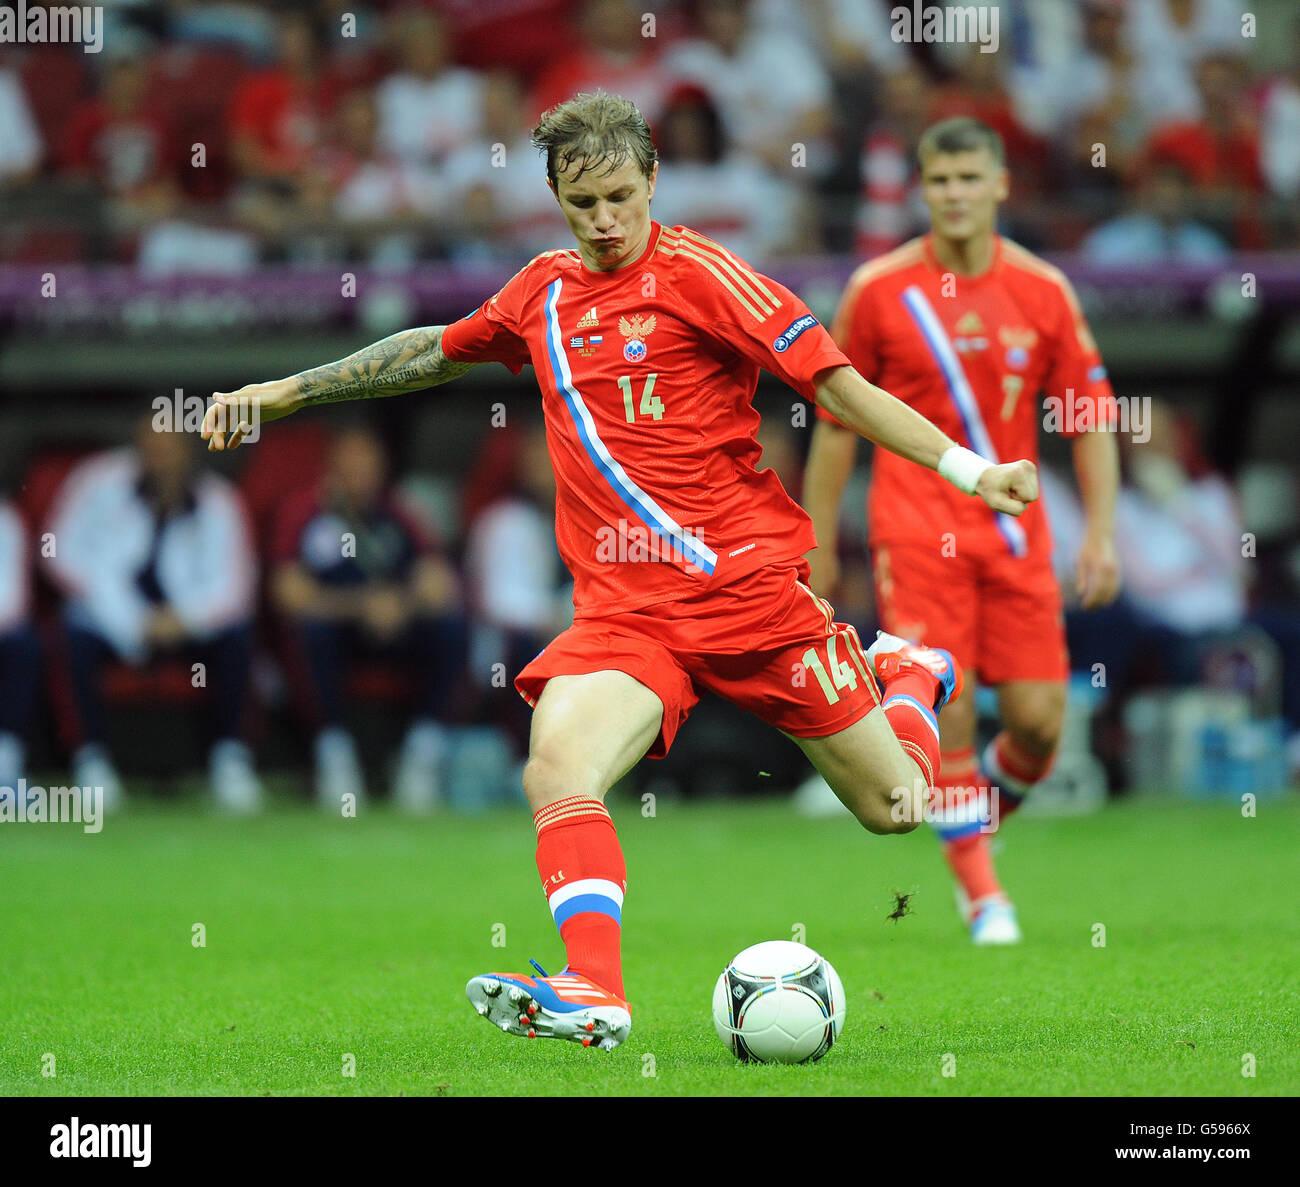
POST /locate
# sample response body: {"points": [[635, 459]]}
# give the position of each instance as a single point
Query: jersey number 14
{"points": [[651, 405]]}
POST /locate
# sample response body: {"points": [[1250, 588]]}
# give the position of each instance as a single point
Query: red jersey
{"points": [[972, 354], [647, 376]]}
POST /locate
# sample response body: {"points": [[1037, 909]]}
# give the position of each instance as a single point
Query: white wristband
{"points": [[963, 467]]}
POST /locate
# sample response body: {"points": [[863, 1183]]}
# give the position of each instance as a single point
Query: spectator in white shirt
{"points": [[1179, 537], [724, 194], [497, 197], [385, 202], [772, 90], [1279, 128], [428, 108], [1169, 38], [20, 139], [519, 597], [155, 559]]}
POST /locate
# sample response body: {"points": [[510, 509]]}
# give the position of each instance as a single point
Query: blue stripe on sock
{"points": [[588, 902], [955, 832], [901, 698]]}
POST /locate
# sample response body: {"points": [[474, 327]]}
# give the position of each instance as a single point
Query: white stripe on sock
{"points": [[602, 886]]}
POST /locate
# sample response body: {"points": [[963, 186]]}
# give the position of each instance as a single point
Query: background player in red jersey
{"points": [[970, 329], [687, 562]]}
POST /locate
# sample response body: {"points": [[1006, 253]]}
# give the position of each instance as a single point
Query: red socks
{"points": [[584, 878], [1013, 771], [961, 826], [908, 701]]}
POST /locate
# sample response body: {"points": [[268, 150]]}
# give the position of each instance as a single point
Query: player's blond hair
{"points": [[962, 133], [594, 128]]}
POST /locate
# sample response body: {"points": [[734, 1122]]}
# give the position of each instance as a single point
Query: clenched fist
{"points": [[1010, 487]]}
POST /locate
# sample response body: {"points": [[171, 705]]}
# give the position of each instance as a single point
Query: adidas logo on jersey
{"points": [[588, 320]]}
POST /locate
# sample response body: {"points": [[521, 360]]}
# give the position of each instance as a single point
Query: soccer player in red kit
{"points": [[970, 329], [687, 561]]}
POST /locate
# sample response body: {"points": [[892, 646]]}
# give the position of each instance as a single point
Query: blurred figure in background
{"points": [[19, 648], [155, 560], [1219, 150], [725, 194], [518, 589], [21, 147], [384, 205], [1280, 129], [498, 200], [771, 89], [355, 575], [1097, 97], [1158, 228], [611, 53], [124, 144], [1178, 535], [277, 121], [428, 108], [1169, 39], [891, 209]]}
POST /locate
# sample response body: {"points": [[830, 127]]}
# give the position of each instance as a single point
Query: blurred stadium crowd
{"points": [[236, 137], [214, 136], [316, 581]]}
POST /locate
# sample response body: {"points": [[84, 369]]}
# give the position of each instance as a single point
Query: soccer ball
{"points": [[778, 1002]]}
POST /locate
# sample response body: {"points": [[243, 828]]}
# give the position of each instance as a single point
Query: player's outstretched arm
{"points": [[408, 361], [891, 424]]}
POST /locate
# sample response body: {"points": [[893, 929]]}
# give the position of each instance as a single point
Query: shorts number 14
{"points": [[841, 673]]}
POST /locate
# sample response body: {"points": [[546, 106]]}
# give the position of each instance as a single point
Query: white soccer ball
{"points": [[778, 1002]]}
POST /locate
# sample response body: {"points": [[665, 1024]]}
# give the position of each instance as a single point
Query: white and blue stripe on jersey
{"points": [[642, 505], [963, 399]]}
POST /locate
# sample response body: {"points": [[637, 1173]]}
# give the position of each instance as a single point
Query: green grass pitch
{"points": [[328, 938]]}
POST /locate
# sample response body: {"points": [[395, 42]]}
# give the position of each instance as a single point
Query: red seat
{"points": [[287, 458], [54, 77], [164, 683], [43, 245], [193, 86]]}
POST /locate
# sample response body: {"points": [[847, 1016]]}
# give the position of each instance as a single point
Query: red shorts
{"points": [[1000, 616], [765, 643]]}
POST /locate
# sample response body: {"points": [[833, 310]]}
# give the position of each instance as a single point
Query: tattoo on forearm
{"points": [[408, 361]]}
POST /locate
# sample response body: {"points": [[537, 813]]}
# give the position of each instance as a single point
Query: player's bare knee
{"points": [[883, 807], [1038, 731], [548, 778]]}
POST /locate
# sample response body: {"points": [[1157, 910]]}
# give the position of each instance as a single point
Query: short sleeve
{"points": [[491, 333], [761, 319], [1078, 374]]}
